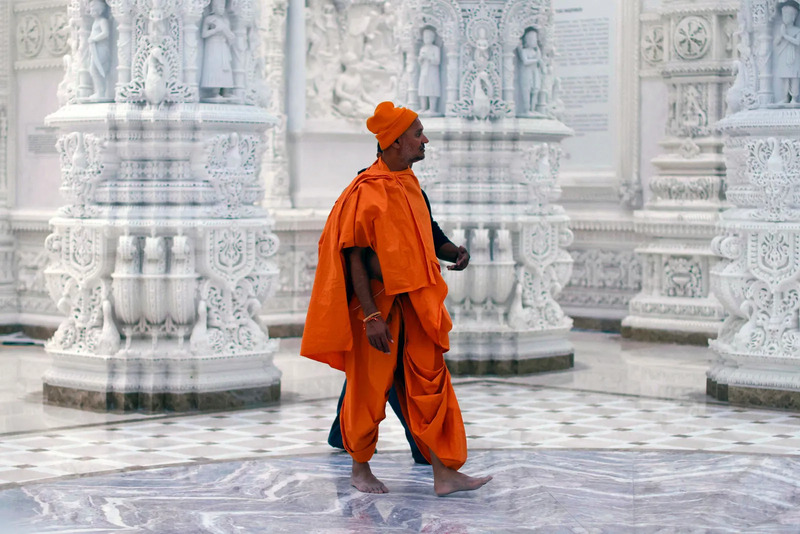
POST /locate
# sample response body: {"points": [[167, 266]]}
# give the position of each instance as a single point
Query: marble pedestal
{"points": [[476, 352], [492, 188], [161, 260], [154, 402], [756, 280]]}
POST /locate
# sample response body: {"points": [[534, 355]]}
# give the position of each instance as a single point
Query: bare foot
{"points": [[452, 481], [447, 481], [363, 480]]}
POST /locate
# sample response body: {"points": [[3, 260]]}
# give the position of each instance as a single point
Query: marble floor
{"points": [[626, 441]]}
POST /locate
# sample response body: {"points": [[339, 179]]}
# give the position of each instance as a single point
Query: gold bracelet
{"points": [[372, 317]]}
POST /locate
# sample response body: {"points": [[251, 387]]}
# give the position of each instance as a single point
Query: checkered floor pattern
{"points": [[498, 414]]}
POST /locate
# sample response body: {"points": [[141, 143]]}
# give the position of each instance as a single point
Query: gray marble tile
{"points": [[533, 491]]}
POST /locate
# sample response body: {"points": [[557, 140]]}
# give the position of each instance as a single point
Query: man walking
{"points": [[389, 328]]}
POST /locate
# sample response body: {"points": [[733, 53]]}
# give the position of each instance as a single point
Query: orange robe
{"points": [[385, 211]]}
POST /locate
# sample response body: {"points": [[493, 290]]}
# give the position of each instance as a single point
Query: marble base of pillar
{"points": [[661, 330], [141, 380], [749, 396], [113, 401], [508, 353]]}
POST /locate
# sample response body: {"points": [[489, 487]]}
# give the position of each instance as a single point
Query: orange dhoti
{"points": [[386, 212], [421, 380]]}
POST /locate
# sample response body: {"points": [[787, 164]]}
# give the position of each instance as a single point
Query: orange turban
{"points": [[388, 123]]}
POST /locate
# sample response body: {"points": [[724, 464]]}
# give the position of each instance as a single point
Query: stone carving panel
{"points": [[30, 35], [496, 59], [602, 279], [652, 44], [58, 31], [692, 37], [674, 188], [683, 277], [605, 269], [351, 61], [767, 70], [689, 110]]}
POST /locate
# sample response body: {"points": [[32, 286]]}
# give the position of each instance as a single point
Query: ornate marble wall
{"points": [[38, 39], [692, 46], [305, 169], [600, 172]]}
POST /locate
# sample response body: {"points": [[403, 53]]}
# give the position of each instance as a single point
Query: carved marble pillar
{"points": [[491, 173], [9, 305], [162, 257], [687, 194], [283, 103], [758, 239]]}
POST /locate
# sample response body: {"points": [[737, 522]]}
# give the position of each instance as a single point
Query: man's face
{"points": [[412, 143]]}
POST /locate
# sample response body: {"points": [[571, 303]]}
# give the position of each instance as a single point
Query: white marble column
{"points": [[9, 305], [295, 96], [491, 175], [281, 45], [758, 238], [687, 194], [162, 256]]}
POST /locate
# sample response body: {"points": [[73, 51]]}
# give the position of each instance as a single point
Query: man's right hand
{"points": [[378, 334]]}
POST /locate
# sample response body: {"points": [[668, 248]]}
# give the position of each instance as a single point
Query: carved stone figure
{"points": [[530, 56], [158, 20], [694, 116], [349, 98], [155, 80], [482, 86], [481, 52], [547, 91], [736, 93], [65, 87], [787, 53], [430, 85], [100, 49], [481, 101], [217, 59], [233, 157], [109, 339]]}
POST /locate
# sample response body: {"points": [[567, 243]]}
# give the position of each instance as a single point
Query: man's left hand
{"points": [[462, 260]]}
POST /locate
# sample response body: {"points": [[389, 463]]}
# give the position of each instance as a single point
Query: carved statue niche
{"points": [[430, 79], [786, 53], [217, 76], [531, 72], [100, 50]]}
